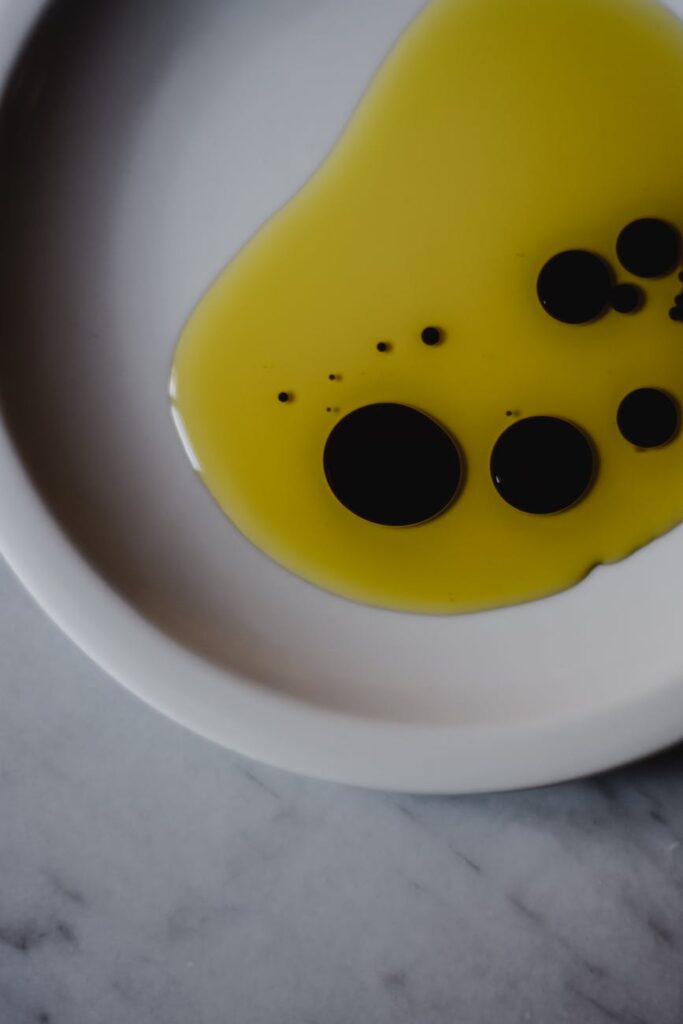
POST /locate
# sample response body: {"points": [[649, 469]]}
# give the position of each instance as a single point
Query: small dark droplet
{"points": [[676, 314], [284, 396], [574, 286], [383, 346], [509, 412], [678, 301], [431, 336], [648, 417], [626, 298], [649, 247], [328, 409], [333, 376]]}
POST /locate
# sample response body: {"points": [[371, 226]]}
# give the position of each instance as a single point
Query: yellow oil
{"points": [[496, 134]]}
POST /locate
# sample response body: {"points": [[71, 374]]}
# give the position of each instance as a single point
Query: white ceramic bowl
{"points": [[142, 142]]}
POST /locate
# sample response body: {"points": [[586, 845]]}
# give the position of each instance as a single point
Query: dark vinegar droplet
{"points": [[676, 313], [383, 346], [391, 464], [431, 336], [626, 298], [574, 286], [649, 247], [648, 417], [284, 396], [542, 464]]}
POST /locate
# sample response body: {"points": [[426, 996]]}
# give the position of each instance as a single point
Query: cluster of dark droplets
{"points": [[392, 464]]}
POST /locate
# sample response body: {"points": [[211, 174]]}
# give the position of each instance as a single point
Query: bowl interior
{"points": [[143, 141]]}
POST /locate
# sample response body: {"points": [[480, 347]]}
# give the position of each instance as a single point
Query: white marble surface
{"points": [[147, 876]]}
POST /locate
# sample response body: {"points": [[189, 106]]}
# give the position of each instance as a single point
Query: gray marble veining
{"points": [[147, 876]]}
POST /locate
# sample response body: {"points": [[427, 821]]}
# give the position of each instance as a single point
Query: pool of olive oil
{"points": [[495, 136]]}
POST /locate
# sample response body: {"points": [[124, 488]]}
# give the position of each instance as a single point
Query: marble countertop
{"points": [[148, 876]]}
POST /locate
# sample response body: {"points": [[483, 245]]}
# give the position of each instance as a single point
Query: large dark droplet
{"points": [[392, 465], [649, 247], [575, 286], [542, 464], [648, 417]]}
